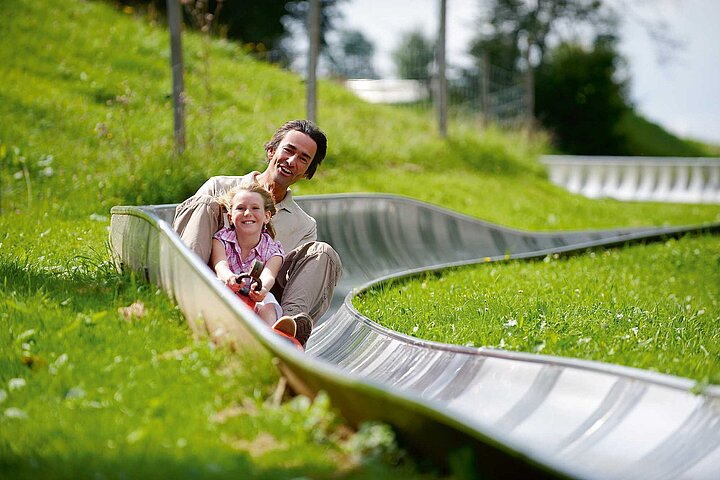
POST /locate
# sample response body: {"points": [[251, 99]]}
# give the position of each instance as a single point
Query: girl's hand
{"points": [[233, 284], [258, 295]]}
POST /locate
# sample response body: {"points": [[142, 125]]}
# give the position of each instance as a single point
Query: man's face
{"points": [[288, 163]]}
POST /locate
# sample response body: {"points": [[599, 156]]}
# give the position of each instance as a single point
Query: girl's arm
{"points": [[218, 260], [267, 277]]}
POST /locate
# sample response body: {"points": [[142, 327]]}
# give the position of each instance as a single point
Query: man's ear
{"points": [[269, 152]]}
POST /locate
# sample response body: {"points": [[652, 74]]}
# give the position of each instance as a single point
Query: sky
{"points": [[682, 94]]}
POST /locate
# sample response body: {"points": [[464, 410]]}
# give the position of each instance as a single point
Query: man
{"points": [[311, 269]]}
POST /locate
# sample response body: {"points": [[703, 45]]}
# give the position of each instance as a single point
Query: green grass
{"points": [[86, 391], [654, 306], [85, 124], [649, 139]]}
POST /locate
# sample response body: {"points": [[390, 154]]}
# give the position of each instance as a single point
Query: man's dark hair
{"points": [[309, 129]]}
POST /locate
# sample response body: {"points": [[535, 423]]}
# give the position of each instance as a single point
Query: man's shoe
{"points": [[286, 325], [303, 327]]}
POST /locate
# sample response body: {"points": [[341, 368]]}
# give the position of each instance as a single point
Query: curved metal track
{"points": [[521, 414]]}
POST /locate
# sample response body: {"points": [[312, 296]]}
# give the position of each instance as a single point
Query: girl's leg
{"points": [[267, 312]]}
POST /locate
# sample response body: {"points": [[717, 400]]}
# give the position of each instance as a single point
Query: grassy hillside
{"points": [[646, 138], [90, 99], [87, 390]]}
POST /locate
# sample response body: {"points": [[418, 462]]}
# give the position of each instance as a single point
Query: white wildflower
{"points": [[13, 412], [75, 392], [16, 383]]}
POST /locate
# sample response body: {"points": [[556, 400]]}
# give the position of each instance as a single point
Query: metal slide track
{"points": [[521, 414]]}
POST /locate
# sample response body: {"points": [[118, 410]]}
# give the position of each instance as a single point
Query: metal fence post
{"points": [[313, 53], [442, 79], [176, 64]]}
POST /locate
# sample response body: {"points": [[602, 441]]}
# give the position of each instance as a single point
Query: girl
{"points": [[250, 236]]}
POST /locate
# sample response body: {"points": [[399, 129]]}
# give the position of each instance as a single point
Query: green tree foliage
{"points": [[515, 34], [243, 20], [329, 16], [511, 30], [353, 56], [581, 100], [260, 24], [413, 56]]}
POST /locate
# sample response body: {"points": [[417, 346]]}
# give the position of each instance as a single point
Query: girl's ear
{"points": [[228, 220]]}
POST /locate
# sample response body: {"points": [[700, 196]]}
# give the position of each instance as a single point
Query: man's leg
{"points": [[196, 221], [307, 279]]}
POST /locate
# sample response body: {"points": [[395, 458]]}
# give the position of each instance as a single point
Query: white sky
{"points": [[682, 95]]}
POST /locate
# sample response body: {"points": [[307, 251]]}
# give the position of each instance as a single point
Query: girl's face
{"points": [[248, 213]]}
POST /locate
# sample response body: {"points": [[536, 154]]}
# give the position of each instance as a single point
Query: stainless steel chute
{"points": [[522, 414]]}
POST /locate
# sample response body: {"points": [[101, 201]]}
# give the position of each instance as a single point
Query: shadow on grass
{"points": [[225, 464], [93, 278], [157, 467]]}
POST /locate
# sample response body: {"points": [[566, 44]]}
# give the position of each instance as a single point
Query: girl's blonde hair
{"points": [[225, 200]]}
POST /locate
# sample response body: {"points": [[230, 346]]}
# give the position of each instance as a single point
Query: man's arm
{"points": [[310, 236], [294, 229]]}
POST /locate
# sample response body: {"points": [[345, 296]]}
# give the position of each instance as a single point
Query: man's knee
{"points": [[327, 252], [194, 207], [196, 221]]}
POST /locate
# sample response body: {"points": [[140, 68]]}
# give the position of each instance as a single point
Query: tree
{"points": [[353, 56], [262, 25], [580, 98], [514, 34], [330, 15], [247, 21], [525, 26], [413, 56]]}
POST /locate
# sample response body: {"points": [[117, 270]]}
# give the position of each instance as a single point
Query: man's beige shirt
{"points": [[293, 226]]}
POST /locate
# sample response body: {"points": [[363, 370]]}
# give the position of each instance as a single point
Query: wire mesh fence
{"points": [[481, 93], [475, 94]]}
